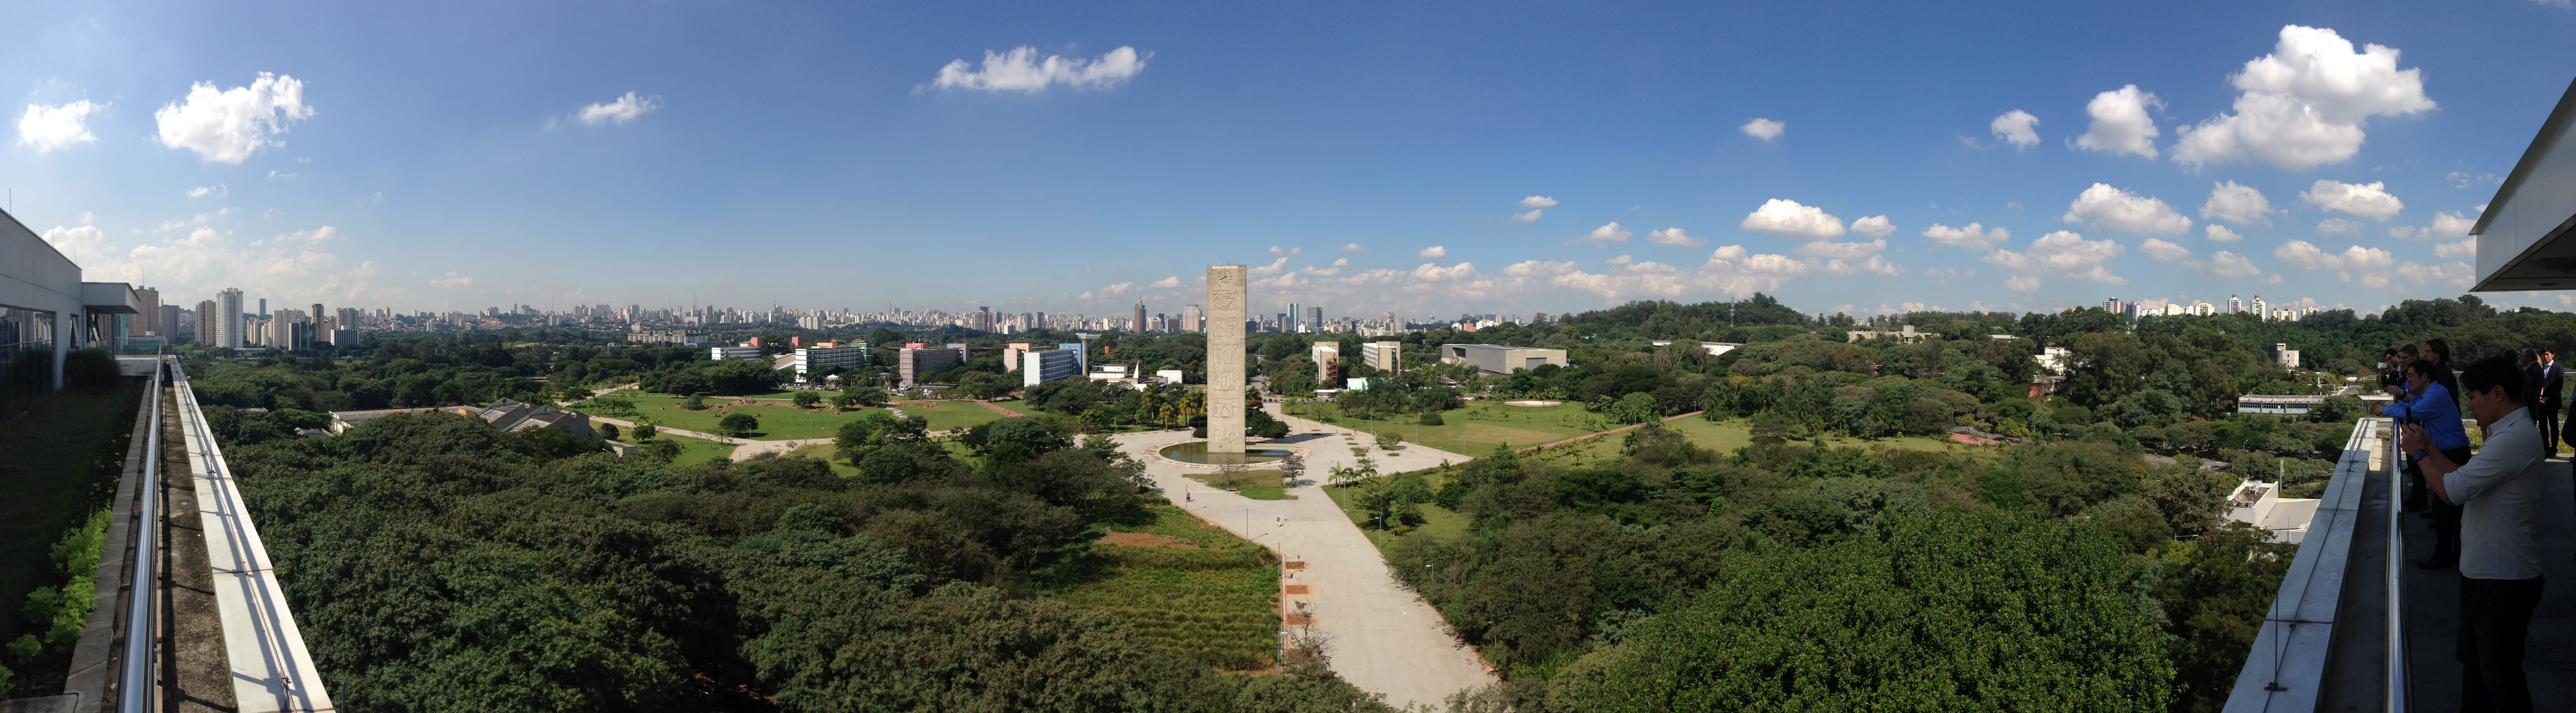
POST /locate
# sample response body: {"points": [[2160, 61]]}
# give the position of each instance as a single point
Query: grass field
{"points": [[1473, 430], [945, 415], [1436, 520], [692, 450], [1184, 585], [50, 467], [826, 453], [778, 421], [1723, 437]]}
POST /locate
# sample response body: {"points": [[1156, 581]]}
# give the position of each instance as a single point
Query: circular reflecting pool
{"points": [[1196, 452]]}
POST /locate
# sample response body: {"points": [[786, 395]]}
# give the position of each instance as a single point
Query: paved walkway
{"points": [[1382, 637]]}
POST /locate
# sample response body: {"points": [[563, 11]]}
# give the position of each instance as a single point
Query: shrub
{"points": [[740, 424], [1431, 418], [807, 399]]}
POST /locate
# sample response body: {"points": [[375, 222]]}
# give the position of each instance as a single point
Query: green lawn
{"points": [[51, 467], [1473, 430], [1723, 437], [1184, 585], [1436, 520], [692, 450], [778, 421], [825, 453], [945, 415]]}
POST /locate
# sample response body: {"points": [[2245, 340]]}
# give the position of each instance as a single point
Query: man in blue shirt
{"points": [[2425, 402]]}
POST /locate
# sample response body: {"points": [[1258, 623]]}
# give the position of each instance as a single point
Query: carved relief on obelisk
{"points": [[1225, 299]]}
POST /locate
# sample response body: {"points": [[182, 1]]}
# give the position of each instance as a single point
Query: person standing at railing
{"points": [[2439, 351], [2500, 575], [2426, 403], [2553, 383]]}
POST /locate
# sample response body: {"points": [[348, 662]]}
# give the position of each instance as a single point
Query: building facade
{"points": [[820, 359], [916, 363], [228, 319], [1386, 357], [1498, 359], [1045, 365]]}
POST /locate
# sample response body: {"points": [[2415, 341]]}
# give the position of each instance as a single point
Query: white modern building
{"points": [[823, 358], [2524, 240], [742, 353], [1039, 366], [1498, 359]]}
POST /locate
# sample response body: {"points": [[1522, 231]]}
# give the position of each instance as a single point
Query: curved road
{"points": [[1381, 636]]}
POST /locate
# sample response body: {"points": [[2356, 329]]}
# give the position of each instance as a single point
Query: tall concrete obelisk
{"points": [[1225, 301]]}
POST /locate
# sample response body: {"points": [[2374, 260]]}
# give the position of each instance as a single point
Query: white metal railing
{"points": [[271, 671], [2396, 581], [137, 693], [2286, 667]]}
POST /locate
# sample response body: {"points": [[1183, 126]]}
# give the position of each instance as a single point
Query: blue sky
{"points": [[462, 155]]}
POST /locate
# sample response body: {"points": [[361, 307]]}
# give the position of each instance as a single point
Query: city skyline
{"points": [[2055, 158]]}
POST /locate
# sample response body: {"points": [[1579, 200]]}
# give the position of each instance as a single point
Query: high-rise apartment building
{"points": [[1289, 322], [2261, 311], [228, 318], [1314, 319], [1193, 320], [168, 321], [147, 319], [209, 327], [2235, 305], [1138, 325], [2111, 305]]}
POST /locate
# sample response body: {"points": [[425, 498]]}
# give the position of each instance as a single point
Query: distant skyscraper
{"points": [[1314, 319], [207, 329], [2235, 305], [263, 306], [228, 318], [2111, 305], [1290, 322], [1192, 320], [1139, 324]]}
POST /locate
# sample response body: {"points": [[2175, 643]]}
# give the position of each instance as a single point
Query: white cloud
{"points": [[85, 245], [1875, 264], [1118, 288], [1279, 251], [1021, 70], [2016, 127], [2225, 264], [1354, 247], [2163, 251], [52, 127], [452, 280], [2465, 180], [2120, 122], [2120, 210], [1764, 129], [231, 124], [86, 218], [2450, 225], [2063, 253], [1166, 283], [2369, 200], [1973, 237], [2302, 255], [1605, 235], [620, 110], [2457, 274], [1787, 217], [2237, 204], [1434, 251], [1538, 202], [1831, 249], [1730, 270], [2304, 105], [2022, 283], [2220, 234], [2338, 226], [1875, 226], [1275, 266], [2467, 247], [1530, 216], [1673, 236]]}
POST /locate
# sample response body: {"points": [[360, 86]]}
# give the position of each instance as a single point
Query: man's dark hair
{"points": [[2392, 351], [2408, 349], [2493, 372], [2440, 348], [2425, 367]]}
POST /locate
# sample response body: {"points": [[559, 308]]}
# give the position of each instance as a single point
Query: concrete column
{"points": [[1225, 358]]}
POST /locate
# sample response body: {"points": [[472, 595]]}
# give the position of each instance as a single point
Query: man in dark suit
{"points": [[2553, 383]]}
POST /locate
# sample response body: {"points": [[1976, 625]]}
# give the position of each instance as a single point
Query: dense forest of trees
{"points": [[448, 566], [444, 566], [2061, 576]]}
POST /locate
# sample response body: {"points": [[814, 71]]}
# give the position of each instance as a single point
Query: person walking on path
{"points": [[2426, 404], [2500, 575]]}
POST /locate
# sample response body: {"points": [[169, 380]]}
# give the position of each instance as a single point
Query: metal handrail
{"points": [[2397, 689], [140, 628]]}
